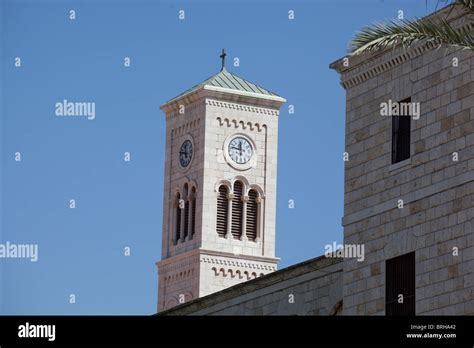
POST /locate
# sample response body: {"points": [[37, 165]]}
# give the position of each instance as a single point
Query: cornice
{"points": [[208, 255], [368, 65], [224, 94]]}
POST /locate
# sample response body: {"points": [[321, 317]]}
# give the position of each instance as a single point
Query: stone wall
{"points": [[225, 119], [205, 262], [313, 287], [437, 191], [179, 268]]}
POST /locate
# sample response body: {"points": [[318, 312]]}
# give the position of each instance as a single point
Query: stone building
{"points": [[408, 196], [220, 188], [409, 182]]}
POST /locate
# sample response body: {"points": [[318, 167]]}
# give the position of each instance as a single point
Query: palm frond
{"points": [[407, 32], [467, 7], [468, 4]]}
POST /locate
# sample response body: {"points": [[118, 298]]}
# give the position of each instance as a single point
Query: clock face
{"points": [[186, 153], [240, 150]]}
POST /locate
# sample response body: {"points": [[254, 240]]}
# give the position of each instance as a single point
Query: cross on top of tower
{"points": [[222, 56]]}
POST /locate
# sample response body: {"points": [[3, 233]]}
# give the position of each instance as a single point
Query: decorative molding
{"points": [[167, 267], [247, 186], [375, 64], [241, 124], [243, 180], [380, 65], [268, 104], [235, 273], [258, 188], [236, 263], [242, 107], [185, 128], [224, 182], [178, 276]]}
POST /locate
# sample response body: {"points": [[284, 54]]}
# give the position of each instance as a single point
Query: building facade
{"points": [[408, 195], [220, 188], [409, 180]]}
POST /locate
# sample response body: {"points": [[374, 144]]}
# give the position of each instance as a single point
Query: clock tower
{"points": [[220, 188]]}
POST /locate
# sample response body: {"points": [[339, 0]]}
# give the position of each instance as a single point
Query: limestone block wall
{"points": [[437, 191], [313, 287], [179, 127], [178, 280], [218, 272], [223, 120]]}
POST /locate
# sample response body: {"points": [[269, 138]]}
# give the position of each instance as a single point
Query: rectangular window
{"points": [[400, 285], [401, 129]]}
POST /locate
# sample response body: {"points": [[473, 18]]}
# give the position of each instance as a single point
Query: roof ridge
{"points": [[228, 80]]}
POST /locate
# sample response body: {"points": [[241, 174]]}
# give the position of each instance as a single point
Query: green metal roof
{"points": [[225, 79]]}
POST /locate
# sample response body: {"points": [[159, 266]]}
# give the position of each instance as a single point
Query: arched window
{"points": [[193, 211], [237, 210], [252, 216], [186, 211], [222, 211], [178, 218]]}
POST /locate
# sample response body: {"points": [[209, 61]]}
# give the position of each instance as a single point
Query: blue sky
{"points": [[119, 204]]}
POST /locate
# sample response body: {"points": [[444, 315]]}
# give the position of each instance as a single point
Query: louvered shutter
{"points": [[237, 209], [252, 216], [222, 211]]}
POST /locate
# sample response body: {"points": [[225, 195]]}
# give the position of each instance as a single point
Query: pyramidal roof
{"points": [[228, 82]]}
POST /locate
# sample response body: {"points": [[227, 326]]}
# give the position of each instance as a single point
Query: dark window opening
{"points": [[401, 129], [193, 214], [178, 219], [400, 285], [186, 219]]}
